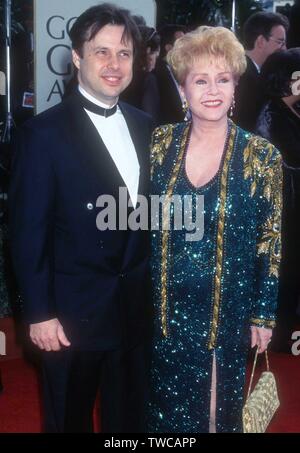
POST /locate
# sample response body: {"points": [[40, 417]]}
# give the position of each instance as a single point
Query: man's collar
{"points": [[95, 100]]}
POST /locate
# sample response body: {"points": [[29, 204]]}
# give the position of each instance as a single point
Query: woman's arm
{"points": [[263, 166]]}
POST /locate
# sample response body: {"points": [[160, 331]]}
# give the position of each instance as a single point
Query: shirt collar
{"points": [[94, 100], [255, 64]]}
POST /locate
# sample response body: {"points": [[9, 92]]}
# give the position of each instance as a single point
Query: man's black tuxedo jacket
{"points": [[169, 99], [249, 98], [93, 281]]}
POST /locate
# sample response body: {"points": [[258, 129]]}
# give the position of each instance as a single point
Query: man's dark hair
{"points": [[91, 21], [150, 37], [278, 70], [139, 20], [261, 23]]}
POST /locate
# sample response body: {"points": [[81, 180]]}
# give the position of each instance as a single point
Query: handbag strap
{"points": [[253, 369]]}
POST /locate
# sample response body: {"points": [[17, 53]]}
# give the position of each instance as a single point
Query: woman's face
{"points": [[209, 89]]}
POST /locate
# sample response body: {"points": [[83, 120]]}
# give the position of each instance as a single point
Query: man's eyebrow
{"points": [[122, 49], [100, 47]]}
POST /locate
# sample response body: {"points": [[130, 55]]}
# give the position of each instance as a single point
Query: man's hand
{"points": [[48, 335], [260, 337]]}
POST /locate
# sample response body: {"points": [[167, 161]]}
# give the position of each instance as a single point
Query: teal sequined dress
{"points": [[208, 292]]}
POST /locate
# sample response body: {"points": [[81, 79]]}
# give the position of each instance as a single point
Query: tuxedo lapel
{"points": [[139, 138], [252, 68], [94, 155], [91, 148]]}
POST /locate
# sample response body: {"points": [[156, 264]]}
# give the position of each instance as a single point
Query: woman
{"points": [[279, 122], [207, 293]]}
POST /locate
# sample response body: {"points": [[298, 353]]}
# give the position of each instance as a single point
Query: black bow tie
{"points": [[94, 108]]}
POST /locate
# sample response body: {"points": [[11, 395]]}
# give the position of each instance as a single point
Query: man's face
{"points": [[178, 34], [105, 69], [276, 40]]}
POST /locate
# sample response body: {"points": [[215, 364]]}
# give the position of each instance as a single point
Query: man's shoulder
{"points": [[161, 66], [251, 72], [163, 74], [49, 118], [135, 112]]}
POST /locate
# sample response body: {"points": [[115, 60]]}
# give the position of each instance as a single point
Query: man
{"points": [[84, 288], [293, 35], [264, 34], [170, 100]]}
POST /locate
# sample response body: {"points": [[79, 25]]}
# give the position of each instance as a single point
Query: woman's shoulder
{"points": [[261, 159], [256, 144], [160, 132], [262, 164], [162, 138]]}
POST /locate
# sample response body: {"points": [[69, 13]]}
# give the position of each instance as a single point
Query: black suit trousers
{"points": [[72, 379]]}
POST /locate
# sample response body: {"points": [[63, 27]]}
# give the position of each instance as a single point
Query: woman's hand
{"points": [[260, 337]]}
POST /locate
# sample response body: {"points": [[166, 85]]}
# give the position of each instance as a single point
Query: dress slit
{"points": [[213, 396]]}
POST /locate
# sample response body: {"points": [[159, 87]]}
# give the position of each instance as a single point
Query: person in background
{"points": [[170, 107], [83, 283], [139, 20], [264, 33], [293, 33], [143, 90], [215, 278], [152, 49], [279, 122]]}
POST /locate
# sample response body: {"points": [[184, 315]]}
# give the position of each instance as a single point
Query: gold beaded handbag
{"points": [[262, 403]]}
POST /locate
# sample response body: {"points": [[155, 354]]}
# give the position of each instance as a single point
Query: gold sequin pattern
{"points": [[266, 323], [220, 240], [261, 167], [165, 232], [162, 138]]}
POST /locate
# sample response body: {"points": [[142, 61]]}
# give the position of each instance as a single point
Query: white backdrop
{"points": [[52, 21]]}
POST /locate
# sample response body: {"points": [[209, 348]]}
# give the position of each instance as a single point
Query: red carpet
{"points": [[20, 409]]}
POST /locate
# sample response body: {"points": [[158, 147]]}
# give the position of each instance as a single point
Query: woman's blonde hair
{"points": [[213, 43]]}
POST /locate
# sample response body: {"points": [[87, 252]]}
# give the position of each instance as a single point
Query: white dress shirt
{"points": [[115, 135]]}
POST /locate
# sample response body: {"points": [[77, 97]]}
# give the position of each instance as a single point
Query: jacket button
{"points": [[89, 206]]}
